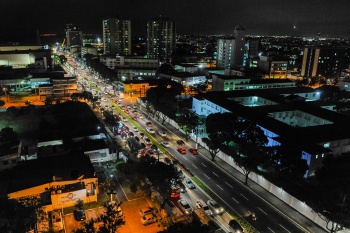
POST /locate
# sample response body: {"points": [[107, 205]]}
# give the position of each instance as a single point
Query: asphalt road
{"points": [[233, 194]]}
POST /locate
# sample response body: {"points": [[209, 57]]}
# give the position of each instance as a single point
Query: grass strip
{"points": [[133, 122]]}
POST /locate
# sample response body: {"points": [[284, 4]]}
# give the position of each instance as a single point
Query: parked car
{"points": [[142, 134], [235, 226], [146, 210], [149, 124], [189, 184], [182, 150], [193, 151], [79, 214], [149, 219], [215, 207], [185, 206], [162, 133], [165, 143], [180, 142]]}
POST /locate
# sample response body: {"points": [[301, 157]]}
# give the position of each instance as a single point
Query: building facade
{"points": [[323, 61], [161, 38], [116, 36]]}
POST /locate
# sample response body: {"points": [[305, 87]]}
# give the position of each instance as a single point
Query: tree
{"points": [[213, 146], [333, 203], [252, 141], [183, 227], [110, 218], [287, 161], [2, 103]]}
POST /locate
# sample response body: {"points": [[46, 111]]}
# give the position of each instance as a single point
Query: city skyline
{"points": [[297, 18]]}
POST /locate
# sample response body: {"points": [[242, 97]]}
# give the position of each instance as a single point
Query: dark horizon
{"points": [[22, 19]]}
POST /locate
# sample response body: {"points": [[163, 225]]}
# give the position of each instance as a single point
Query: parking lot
{"points": [[131, 214]]}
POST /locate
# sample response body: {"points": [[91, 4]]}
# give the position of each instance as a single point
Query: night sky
{"points": [[21, 18]]}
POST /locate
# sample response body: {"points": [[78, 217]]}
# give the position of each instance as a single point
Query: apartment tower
{"points": [[116, 36], [161, 38]]}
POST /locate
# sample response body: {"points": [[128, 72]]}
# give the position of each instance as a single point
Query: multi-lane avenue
{"points": [[237, 198]]}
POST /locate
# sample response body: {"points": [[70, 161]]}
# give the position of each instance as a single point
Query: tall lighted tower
{"points": [[161, 38], [116, 36]]}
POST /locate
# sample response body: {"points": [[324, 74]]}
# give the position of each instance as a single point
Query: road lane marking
{"points": [[262, 211], [195, 166], [235, 200], [244, 196], [215, 174], [270, 229], [204, 165], [284, 228], [229, 184], [219, 187], [207, 176], [185, 158]]}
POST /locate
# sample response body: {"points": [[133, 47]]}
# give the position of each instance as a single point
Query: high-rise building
{"points": [[116, 36], [225, 50], [161, 38], [322, 61], [238, 56], [74, 37], [230, 51]]}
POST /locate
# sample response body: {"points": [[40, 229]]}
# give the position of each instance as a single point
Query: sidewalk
{"points": [[279, 205]]}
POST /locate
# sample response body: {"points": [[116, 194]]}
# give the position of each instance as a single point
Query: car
{"points": [[162, 133], [182, 150], [126, 111], [215, 207], [137, 138], [124, 119], [149, 219], [142, 134], [140, 116], [154, 147], [193, 151], [180, 142], [150, 153], [131, 134], [135, 129], [165, 143], [148, 141], [135, 112], [185, 206], [150, 130], [105, 100], [235, 226], [149, 124], [180, 173], [188, 183], [200, 204], [146, 210], [143, 145], [79, 214], [134, 106]]}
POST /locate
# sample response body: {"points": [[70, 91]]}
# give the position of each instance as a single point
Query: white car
{"points": [[105, 100], [135, 129], [215, 207], [185, 206], [162, 133], [150, 130], [165, 143]]}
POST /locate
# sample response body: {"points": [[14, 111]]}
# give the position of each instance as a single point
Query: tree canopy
{"points": [[333, 203]]}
